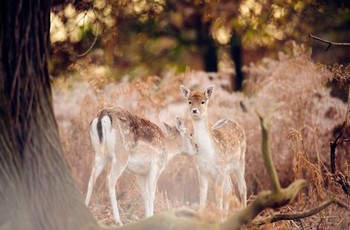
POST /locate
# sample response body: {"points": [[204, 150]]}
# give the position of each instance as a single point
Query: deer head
{"points": [[179, 135], [198, 101]]}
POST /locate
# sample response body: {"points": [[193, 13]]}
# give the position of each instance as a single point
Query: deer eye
{"points": [[190, 102], [202, 102]]}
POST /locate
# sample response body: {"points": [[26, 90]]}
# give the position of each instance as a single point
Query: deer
{"points": [[221, 150], [130, 142]]}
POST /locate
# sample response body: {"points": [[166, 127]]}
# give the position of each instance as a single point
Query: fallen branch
{"points": [[297, 216], [178, 219], [330, 43], [265, 199], [269, 166]]}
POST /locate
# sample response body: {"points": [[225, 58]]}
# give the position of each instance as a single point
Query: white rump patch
{"points": [[94, 135]]}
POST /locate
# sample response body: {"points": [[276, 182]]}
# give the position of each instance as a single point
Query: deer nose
{"points": [[195, 111]]}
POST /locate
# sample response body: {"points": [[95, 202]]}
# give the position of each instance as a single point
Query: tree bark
{"points": [[36, 189]]}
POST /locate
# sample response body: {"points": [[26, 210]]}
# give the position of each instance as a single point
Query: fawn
{"points": [[130, 142], [221, 150]]}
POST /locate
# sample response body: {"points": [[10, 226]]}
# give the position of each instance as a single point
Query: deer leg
{"points": [[242, 187], [116, 170], [219, 191], [152, 186], [228, 187], [203, 190], [143, 186], [99, 164]]}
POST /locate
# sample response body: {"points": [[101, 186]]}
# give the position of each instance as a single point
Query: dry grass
{"points": [[291, 91]]}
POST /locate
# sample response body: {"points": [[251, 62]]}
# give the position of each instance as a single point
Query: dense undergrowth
{"points": [[292, 92]]}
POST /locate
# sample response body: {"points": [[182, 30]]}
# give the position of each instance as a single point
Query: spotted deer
{"points": [[127, 141], [221, 150]]}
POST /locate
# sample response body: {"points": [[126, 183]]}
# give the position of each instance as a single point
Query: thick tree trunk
{"points": [[236, 55], [36, 189]]}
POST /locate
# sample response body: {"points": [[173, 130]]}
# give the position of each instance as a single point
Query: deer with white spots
{"points": [[127, 141], [221, 150]]}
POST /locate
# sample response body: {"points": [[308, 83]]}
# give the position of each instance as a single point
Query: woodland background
{"points": [[135, 54]]}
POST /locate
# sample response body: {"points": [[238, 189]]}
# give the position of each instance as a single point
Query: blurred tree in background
{"points": [[140, 37]]}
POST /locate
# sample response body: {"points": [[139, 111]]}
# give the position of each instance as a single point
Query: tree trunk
{"points": [[36, 189], [236, 55], [206, 44], [210, 56]]}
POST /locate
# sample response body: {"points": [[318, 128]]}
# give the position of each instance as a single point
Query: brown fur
{"points": [[141, 129], [229, 137]]}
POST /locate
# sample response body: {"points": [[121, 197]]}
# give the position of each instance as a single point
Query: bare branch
{"points": [[270, 167], [95, 38], [330, 43], [178, 219], [297, 216], [342, 180], [92, 44], [77, 23], [265, 199], [347, 116], [338, 176], [96, 30], [333, 144]]}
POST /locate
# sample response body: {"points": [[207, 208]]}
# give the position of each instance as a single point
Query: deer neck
{"points": [[171, 149], [203, 138]]}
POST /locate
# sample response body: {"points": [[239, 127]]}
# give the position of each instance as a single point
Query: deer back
{"points": [[134, 130], [229, 139]]}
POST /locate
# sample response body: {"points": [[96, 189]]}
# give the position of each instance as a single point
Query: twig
{"points": [[330, 43], [92, 44], [94, 41], [297, 216], [342, 180], [301, 224], [77, 23], [334, 143], [338, 176]]}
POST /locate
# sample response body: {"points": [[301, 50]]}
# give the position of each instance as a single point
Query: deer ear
{"points": [[185, 91], [180, 125], [167, 127], [209, 91]]}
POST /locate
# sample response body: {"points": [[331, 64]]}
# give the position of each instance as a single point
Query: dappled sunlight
{"points": [[70, 24], [57, 30]]}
